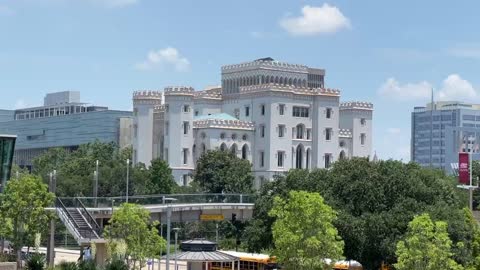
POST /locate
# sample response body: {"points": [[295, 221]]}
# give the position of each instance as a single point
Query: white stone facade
{"points": [[278, 116]]}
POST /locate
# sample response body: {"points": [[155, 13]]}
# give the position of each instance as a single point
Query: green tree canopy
{"points": [[426, 246], [303, 233], [22, 208], [220, 171], [131, 224], [161, 178], [375, 202]]}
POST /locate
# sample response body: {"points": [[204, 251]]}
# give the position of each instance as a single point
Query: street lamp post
{"points": [[95, 184], [169, 217], [128, 171], [176, 238]]}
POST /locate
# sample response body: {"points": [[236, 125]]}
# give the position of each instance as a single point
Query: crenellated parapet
{"points": [[267, 64], [179, 90], [152, 97], [345, 133], [159, 108], [224, 124], [356, 105], [289, 88], [214, 93]]}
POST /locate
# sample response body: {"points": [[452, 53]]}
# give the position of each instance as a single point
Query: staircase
{"points": [[78, 221]]}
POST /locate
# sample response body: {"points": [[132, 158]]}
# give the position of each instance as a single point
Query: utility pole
{"points": [[128, 171], [95, 185], [51, 241]]}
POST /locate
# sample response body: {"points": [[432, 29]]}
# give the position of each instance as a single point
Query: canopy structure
{"points": [[204, 256]]}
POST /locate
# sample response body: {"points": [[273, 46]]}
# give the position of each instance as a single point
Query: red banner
{"points": [[463, 168]]}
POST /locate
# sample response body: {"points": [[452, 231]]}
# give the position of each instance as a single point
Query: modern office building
{"points": [[276, 115], [63, 121], [7, 146], [441, 131]]}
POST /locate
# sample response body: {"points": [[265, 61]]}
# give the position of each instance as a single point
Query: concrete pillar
{"points": [[101, 254]]}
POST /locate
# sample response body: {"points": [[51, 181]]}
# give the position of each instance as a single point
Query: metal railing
{"points": [[93, 231], [88, 217], [214, 198]]}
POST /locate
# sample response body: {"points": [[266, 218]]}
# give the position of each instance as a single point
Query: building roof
{"points": [[218, 116], [203, 256]]}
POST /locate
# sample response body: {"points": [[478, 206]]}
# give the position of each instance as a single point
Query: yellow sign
{"points": [[211, 217]]}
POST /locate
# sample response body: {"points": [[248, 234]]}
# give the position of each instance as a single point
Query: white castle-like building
{"points": [[277, 115]]}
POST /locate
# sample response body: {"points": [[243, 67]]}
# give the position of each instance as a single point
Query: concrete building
{"points": [[63, 121], [276, 115], [441, 131]]}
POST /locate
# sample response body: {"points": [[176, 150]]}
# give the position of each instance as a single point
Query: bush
{"points": [[116, 265], [87, 265], [8, 258], [35, 261], [67, 266]]}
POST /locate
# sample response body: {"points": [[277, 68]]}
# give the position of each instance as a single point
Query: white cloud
{"points": [[409, 91], [394, 131], [164, 58], [7, 11], [114, 3], [316, 20], [456, 88]]}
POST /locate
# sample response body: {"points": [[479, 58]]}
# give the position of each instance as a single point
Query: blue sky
{"points": [[388, 52]]}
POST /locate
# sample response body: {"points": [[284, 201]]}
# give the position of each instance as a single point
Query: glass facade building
{"points": [[7, 147]]}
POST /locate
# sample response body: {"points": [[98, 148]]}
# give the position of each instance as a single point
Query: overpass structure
{"points": [[85, 217]]}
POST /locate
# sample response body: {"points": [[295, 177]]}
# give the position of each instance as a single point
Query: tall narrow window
{"points": [[262, 109], [262, 131], [186, 108], [362, 138], [281, 131], [185, 179], [309, 133], [363, 121], [185, 156], [281, 109], [196, 113], [280, 159], [307, 157], [329, 113], [300, 131], [327, 160], [262, 158], [328, 134], [185, 127], [247, 111], [167, 127]]}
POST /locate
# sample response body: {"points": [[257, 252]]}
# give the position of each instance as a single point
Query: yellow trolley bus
{"points": [[247, 261]]}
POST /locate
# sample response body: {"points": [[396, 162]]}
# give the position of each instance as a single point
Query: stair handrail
{"points": [[89, 218], [62, 206]]}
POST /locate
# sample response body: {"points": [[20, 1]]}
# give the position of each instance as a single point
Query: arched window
{"points": [[223, 147], [281, 80], [290, 81], [272, 79], [299, 156], [300, 131], [304, 83], [295, 82], [245, 151], [342, 155], [233, 149], [276, 80], [234, 136], [194, 150], [307, 157]]}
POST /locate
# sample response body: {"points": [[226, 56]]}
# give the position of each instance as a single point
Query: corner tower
{"points": [[144, 105], [357, 117]]}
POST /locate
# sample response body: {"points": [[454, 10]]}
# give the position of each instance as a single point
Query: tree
{"points": [[23, 206], [303, 232], [426, 246], [161, 178], [220, 171], [131, 224]]}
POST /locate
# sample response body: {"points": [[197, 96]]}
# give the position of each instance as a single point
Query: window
{"points": [[166, 108], [222, 136], [262, 109], [196, 113], [262, 131], [236, 113], [363, 121], [329, 113], [281, 109], [166, 127], [244, 151], [203, 135], [186, 108], [280, 159], [281, 131], [234, 136], [300, 131], [185, 179], [262, 158], [309, 133], [247, 111], [185, 127], [185, 156], [300, 111], [362, 139], [328, 134], [342, 143], [327, 160], [244, 137]]}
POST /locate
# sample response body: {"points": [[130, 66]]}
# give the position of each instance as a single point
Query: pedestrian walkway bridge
{"points": [[85, 217]]}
